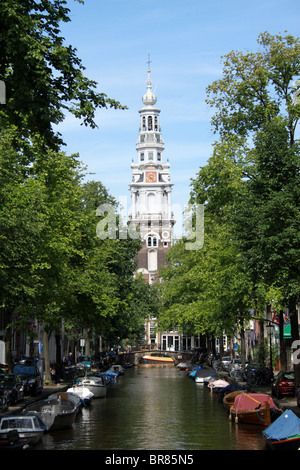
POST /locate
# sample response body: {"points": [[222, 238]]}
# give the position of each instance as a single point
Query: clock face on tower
{"points": [[151, 177]]}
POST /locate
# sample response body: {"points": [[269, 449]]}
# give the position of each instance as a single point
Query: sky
{"points": [[186, 40]]}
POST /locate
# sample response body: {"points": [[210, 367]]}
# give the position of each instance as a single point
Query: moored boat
{"points": [[157, 358], [55, 413], [72, 397], [254, 408], [215, 385], [284, 433], [229, 398], [82, 392], [184, 366], [94, 384], [14, 441], [118, 369], [28, 427]]}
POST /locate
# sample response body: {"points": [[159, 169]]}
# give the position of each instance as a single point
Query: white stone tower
{"points": [[151, 189]]}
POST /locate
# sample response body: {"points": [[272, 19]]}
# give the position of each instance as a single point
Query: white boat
{"points": [[82, 392], [72, 397], [202, 380], [55, 413], [29, 427], [94, 384], [118, 369]]}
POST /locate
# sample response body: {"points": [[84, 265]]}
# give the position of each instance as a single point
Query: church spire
{"points": [[149, 99]]}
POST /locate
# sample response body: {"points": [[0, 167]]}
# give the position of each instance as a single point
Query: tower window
{"points": [[150, 123], [152, 241], [142, 157], [159, 157], [144, 123]]}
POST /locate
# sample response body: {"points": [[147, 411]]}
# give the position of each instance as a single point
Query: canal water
{"points": [[156, 408]]}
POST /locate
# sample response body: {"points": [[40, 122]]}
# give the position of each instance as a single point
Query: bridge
{"points": [[134, 357]]}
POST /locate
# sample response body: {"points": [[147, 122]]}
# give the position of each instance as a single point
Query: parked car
{"points": [[284, 385], [30, 377], [225, 361], [11, 386]]}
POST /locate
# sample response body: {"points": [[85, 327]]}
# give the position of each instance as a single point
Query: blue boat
{"points": [[284, 433]]}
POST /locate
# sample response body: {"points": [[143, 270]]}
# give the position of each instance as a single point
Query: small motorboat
{"points": [[157, 358], [14, 441], [68, 396], [109, 377], [254, 408], [204, 376], [55, 413], [118, 369], [284, 433], [82, 392], [94, 384], [28, 427], [215, 385], [184, 366]]}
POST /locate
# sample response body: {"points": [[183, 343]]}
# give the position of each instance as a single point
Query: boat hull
{"points": [[157, 359], [261, 417], [292, 443], [54, 413], [31, 431], [95, 387], [229, 398]]}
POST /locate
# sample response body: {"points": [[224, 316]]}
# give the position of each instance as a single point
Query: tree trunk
{"points": [[8, 336], [46, 355], [243, 346], [282, 350], [261, 343]]}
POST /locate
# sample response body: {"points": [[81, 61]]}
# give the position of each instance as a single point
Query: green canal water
{"points": [[156, 408]]}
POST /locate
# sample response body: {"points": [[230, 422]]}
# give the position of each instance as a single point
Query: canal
{"points": [[155, 408]]}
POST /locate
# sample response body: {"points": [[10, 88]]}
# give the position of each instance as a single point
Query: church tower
{"points": [[150, 190]]}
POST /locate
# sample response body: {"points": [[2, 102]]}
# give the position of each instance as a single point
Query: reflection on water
{"points": [[156, 408]]}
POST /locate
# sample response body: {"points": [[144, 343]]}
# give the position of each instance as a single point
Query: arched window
{"points": [[150, 123], [152, 241]]}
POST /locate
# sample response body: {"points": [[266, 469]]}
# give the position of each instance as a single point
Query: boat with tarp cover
{"points": [[254, 408], [284, 433]]}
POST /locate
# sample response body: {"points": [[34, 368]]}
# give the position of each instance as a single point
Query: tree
{"points": [[44, 78], [257, 101]]}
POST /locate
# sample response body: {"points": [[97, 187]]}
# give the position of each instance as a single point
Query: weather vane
{"points": [[149, 62]]}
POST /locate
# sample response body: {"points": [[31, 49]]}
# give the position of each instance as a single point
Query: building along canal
{"points": [[156, 408]]}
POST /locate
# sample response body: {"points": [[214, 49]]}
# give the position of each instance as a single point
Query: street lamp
{"points": [[270, 331]]}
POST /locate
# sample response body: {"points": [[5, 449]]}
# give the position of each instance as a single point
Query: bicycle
{"points": [[237, 374]]}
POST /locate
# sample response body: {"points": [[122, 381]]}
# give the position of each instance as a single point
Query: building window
{"points": [[150, 125], [152, 241], [142, 157], [158, 157]]}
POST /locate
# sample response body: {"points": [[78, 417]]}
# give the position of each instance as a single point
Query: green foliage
{"points": [[44, 77], [250, 190]]}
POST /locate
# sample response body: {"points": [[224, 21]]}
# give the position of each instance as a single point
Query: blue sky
{"points": [[186, 40]]}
